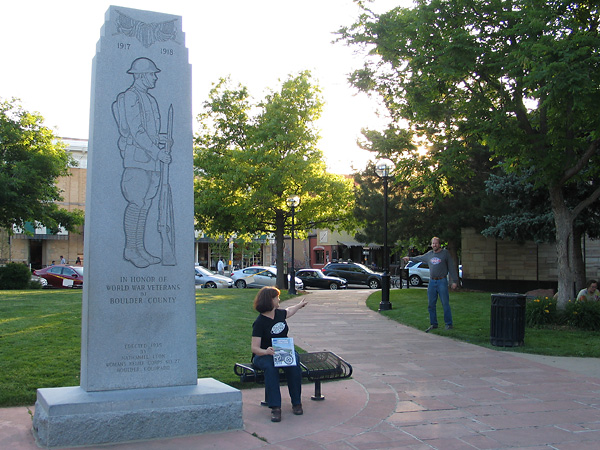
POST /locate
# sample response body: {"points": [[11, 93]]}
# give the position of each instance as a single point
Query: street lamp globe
{"points": [[293, 201], [384, 168]]}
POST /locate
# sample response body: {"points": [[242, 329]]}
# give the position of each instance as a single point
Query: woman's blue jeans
{"points": [[293, 376], [435, 288]]}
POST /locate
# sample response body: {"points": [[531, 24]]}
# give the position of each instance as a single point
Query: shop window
{"points": [[319, 257]]}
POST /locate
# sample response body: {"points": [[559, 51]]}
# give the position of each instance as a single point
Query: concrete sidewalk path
{"points": [[410, 390]]}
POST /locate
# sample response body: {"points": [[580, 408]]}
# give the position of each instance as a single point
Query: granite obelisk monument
{"points": [[138, 352]]}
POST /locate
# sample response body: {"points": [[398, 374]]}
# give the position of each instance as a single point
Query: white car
{"points": [[259, 276], [418, 273], [208, 279]]}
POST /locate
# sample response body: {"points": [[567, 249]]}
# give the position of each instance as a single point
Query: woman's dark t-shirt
{"points": [[266, 328]]}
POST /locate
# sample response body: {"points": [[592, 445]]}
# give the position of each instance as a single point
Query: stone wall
{"points": [[512, 266], [478, 256]]}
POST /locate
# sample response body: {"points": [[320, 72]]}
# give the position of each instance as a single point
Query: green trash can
{"points": [[507, 321]]}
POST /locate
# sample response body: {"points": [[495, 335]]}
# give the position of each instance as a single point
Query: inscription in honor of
{"points": [[138, 292]]}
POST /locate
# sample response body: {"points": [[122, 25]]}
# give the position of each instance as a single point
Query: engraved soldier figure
{"points": [[143, 149]]}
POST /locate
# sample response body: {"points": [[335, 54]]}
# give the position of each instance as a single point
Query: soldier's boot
{"points": [[131, 224], [141, 230]]}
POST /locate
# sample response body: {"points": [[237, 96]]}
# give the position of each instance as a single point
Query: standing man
{"points": [[142, 148], [62, 259], [221, 267], [440, 264]]}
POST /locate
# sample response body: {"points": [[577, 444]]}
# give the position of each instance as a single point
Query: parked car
{"points": [[60, 276], [316, 278], [208, 279], [258, 276], [353, 273], [418, 273]]}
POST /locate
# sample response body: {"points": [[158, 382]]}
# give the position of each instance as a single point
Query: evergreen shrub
{"points": [[15, 276]]}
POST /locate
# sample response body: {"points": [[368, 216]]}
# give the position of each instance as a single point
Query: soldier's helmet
{"points": [[143, 65]]}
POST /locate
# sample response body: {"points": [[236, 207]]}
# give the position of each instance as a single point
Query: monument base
{"points": [[70, 416]]}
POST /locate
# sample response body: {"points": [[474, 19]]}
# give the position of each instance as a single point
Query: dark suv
{"points": [[354, 273]]}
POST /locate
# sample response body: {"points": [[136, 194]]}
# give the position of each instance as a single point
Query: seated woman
{"points": [[590, 293], [271, 323]]}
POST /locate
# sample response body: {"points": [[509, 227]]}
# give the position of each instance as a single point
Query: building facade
{"points": [[38, 247], [324, 246]]}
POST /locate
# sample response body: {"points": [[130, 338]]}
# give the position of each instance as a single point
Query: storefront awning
{"points": [[360, 244], [350, 244]]}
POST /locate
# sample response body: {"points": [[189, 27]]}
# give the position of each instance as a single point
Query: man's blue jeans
{"points": [[435, 288], [293, 376]]}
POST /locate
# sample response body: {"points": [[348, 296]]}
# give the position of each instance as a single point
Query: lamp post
{"points": [[292, 202], [383, 169]]}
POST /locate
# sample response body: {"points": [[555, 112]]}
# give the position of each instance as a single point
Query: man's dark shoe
{"points": [[275, 414], [449, 327], [431, 327], [297, 409]]}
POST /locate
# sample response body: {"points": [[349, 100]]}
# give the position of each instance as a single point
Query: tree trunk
{"points": [[279, 234], [564, 247], [579, 263], [452, 249]]}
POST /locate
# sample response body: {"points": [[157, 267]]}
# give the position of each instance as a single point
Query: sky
{"points": [[48, 47]]}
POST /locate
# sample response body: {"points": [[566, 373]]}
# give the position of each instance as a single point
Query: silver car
{"points": [[258, 276], [418, 273], [208, 279]]}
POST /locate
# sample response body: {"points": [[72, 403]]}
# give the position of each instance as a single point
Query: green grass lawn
{"points": [[40, 334], [471, 313], [40, 338]]}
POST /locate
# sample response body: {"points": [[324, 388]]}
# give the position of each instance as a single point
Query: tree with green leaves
{"points": [[520, 77], [428, 195], [524, 213], [32, 158], [250, 158]]}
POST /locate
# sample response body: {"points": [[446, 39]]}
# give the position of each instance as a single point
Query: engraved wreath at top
{"points": [[146, 33]]}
